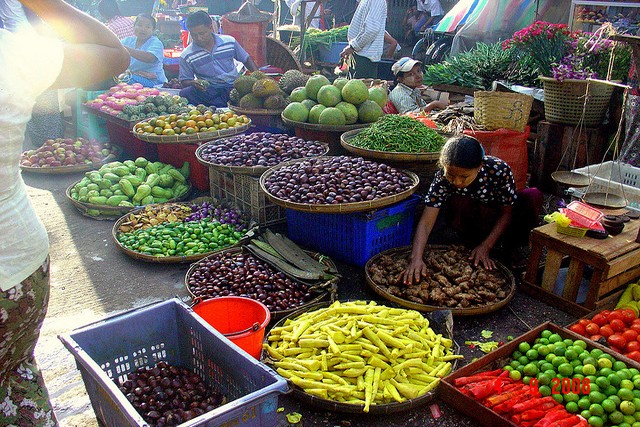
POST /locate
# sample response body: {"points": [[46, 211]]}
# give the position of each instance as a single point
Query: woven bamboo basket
{"points": [[340, 207], [327, 292], [194, 137], [323, 128], [441, 323], [470, 311], [115, 231], [502, 110], [254, 111], [279, 55], [105, 212], [394, 156], [255, 171], [564, 101], [116, 152]]}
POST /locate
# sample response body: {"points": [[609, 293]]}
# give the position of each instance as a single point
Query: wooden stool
{"points": [[615, 262]]}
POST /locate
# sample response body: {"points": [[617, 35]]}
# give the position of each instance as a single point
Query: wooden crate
{"points": [[497, 358], [615, 262]]}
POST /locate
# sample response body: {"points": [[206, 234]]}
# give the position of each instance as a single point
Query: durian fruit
{"points": [[258, 75], [250, 101], [243, 84], [234, 97], [265, 87], [275, 102], [292, 79]]}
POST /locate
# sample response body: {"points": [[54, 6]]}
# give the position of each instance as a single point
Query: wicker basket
{"points": [[564, 101], [502, 110]]}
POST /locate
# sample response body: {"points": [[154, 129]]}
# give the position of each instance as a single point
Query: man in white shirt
{"points": [[431, 13], [366, 39]]}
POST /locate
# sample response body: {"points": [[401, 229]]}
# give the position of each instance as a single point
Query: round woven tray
{"points": [[61, 170], [405, 251], [254, 112], [327, 294], [255, 171], [323, 128], [153, 258], [109, 212], [384, 155], [195, 137], [332, 405], [571, 179], [340, 207]]}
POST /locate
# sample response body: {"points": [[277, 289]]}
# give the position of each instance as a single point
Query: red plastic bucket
{"points": [[240, 319]]}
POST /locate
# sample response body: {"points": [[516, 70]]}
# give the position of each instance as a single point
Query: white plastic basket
{"points": [[607, 177]]}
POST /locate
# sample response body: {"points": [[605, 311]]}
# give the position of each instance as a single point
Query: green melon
{"points": [[314, 113], [299, 94], [369, 111], [350, 112], [331, 116], [296, 111], [355, 92], [379, 95], [340, 82], [314, 84], [309, 103], [329, 96]]}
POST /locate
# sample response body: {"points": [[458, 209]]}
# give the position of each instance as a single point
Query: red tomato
{"points": [[595, 337], [628, 316], [605, 313], [585, 322], [635, 322], [616, 340], [634, 355], [579, 329], [630, 335], [617, 324], [606, 331], [635, 327], [592, 328], [599, 319], [615, 314], [632, 346]]}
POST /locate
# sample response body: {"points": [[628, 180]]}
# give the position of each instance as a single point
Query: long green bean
{"points": [[399, 133]]}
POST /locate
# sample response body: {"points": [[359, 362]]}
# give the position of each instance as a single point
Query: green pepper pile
{"points": [[398, 133], [181, 238]]}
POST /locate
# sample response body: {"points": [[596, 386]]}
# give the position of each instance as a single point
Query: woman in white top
{"points": [[79, 55], [366, 39]]}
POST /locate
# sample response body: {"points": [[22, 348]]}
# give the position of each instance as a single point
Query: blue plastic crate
{"points": [[354, 237], [331, 54], [170, 331]]}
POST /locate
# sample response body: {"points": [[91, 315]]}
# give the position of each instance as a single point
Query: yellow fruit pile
{"points": [[190, 123]]}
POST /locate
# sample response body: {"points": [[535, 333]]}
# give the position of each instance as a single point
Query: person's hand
{"points": [[346, 52], [480, 255], [200, 85], [415, 271]]}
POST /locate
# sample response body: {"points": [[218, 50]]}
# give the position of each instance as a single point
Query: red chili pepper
{"points": [[473, 379], [572, 421], [503, 397], [554, 415], [485, 389], [493, 373], [546, 402], [507, 407], [533, 414]]}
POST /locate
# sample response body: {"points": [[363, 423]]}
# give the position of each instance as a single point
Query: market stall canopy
{"points": [[489, 21], [248, 13]]}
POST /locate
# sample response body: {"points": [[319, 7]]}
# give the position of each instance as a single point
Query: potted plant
{"points": [[565, 61]]}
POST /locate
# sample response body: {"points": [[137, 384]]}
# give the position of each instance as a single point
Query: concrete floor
{"points": [[92, 279]]}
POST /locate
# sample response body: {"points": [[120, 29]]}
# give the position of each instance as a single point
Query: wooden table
{"points": [[615, 262]]}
